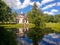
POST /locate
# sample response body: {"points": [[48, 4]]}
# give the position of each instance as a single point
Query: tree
{"points": [[35, 12], [37, 19], [57, 17], [29, 16], [49, 18], [13, 17], [5, 12]]}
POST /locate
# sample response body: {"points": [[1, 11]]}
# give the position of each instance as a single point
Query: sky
{"points": [[51, 7]]}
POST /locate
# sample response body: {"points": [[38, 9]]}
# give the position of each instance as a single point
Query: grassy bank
{"points": [[12, 25], [16, 25], [54, 26]]}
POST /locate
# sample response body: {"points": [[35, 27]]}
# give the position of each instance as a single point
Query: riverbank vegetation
{"points": [[17, 25], [55, 26], [6, 14], [12, 25]]}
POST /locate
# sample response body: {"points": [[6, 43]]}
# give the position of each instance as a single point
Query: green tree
{"points": [[49, 18], [34, 13], [29, 16], [37, 18], [5, 12], [57, 17], [12, 17]]}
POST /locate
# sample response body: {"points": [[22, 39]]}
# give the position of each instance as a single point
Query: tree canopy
{"points": [[6, 13]]}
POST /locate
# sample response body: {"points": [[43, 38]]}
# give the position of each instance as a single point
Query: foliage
{"points": [[35, 16], [52, 18], [29, 16], [5, 13], [57, 17], [49, 18], [34, 13]]}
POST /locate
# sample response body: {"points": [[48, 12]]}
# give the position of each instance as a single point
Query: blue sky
{"points": [[47, 6]]}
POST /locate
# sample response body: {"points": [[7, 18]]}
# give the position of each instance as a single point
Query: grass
{"points": [[54, 26], [31, 25], [12, 25], [16, 25]]}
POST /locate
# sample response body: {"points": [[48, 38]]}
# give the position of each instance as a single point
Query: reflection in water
{"points": [[50, 39], [7, 36], [21, 31], [21, 36]]}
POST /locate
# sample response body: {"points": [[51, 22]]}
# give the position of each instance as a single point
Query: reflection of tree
{"points": [[36, 35], [48, 30], [7, 37]]}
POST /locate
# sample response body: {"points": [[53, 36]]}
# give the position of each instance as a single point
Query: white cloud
{"points": [[32, 3], [38, 4], [28, 2], [13, 3], [45, 1], [16, 4], [25, 3], [58, 3], [49, 6], [52, 12]]}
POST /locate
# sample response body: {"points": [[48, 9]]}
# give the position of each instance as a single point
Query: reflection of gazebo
{"points": [[21, 19]]}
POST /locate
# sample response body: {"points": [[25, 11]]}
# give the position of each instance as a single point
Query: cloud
{"points": [[38, 4], [25, 3], [13, 3], [58, 3], [16, 4], [32, 3], [46, 1], [52, 12], [49, 6]]}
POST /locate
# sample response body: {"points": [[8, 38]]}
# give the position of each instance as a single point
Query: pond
{"points": [[49, 39]]}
